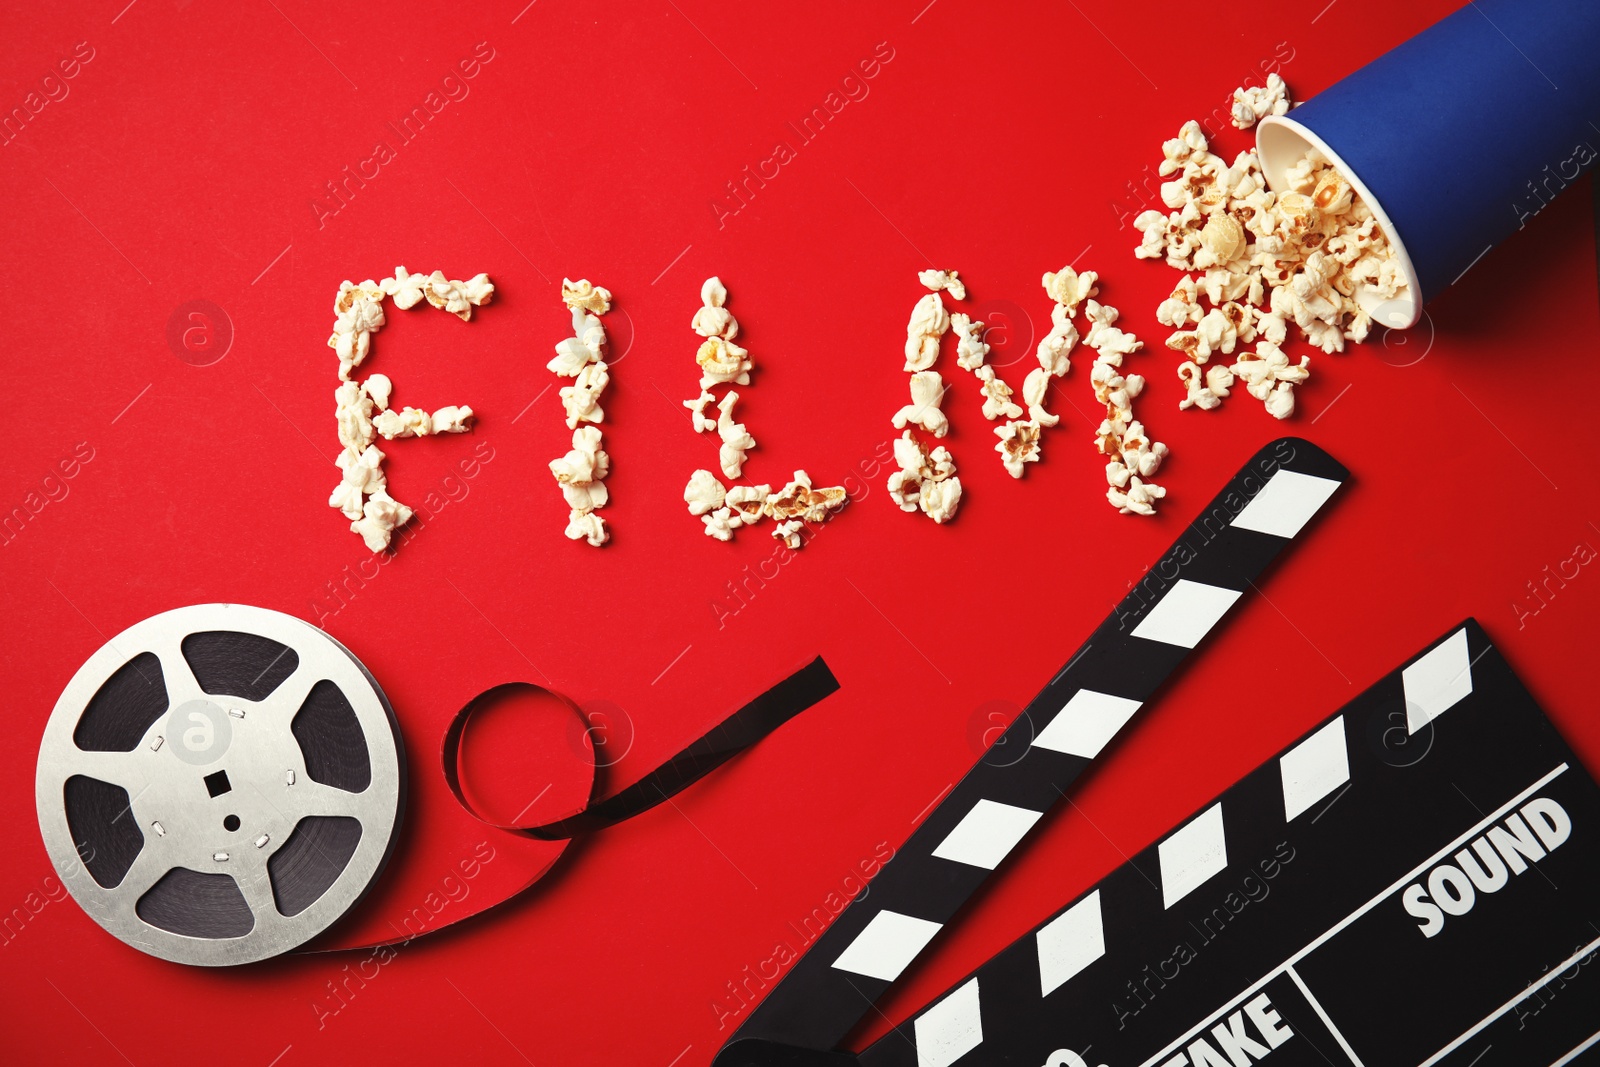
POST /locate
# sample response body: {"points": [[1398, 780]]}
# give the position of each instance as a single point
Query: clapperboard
{"points": [[1414, 882]]}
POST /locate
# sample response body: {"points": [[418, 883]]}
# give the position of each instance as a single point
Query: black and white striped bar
{"points": [[1413, 883], [1265, 507]]}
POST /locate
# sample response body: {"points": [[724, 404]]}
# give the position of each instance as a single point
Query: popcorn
{"points": [[1327, 337], [1332, 194], [1215, 333], [748, 502], [905, 489], [361, 494], [926, 480], [970, 349], [1222, 240], [580, 294], [584, 496], [1069, 288], [1272, 327], [581, 349], [1198, 392], [1222, 286], [927, 393], [378, 387], [363, 475], [940, 499], [585, 463], [721, 361], [1139, 498], [941, 464], [799, 500], [353, 412], [453, 419], [406, 289], [583, 525], [1110, 343], [789, 533], [1182, 307], [713, 293], [1139, 453], [458, 298], [721, 509], [910, 455], [407, 422], [1298, 216], [582, 471], [929, 321], [790, 502], [381, 515], [1302, 174], [1115, 391], [704, 493], [948, 280], [1202, 187], [1035, 387], [1189, 143], [1131, 455], [1153, 234], [721, 524], [358, 314], [581, 399], [1269, 376], [736, 440], [997, 403], [703, 423], [1252, 105], [1310, 254], [1019, 445], [712, 319], [1058, 344], [1360, 325]]}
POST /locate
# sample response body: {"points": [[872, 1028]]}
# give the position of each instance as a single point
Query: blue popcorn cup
{"points": [[1457, 137]]}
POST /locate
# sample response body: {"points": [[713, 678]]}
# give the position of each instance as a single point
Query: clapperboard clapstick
{"points": [[1149, 634], [1415, 882]]}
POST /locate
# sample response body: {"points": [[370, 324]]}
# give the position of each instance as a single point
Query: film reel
{"points": [[219, 783]]}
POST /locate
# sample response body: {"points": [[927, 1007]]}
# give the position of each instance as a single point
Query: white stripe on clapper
{"points": [[1186, 613]]}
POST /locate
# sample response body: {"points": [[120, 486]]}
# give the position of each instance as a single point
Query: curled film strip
{"points": [[1265, 507], [221, 783]]}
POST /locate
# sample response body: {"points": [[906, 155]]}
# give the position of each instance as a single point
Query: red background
{"points": [[184, 164]]}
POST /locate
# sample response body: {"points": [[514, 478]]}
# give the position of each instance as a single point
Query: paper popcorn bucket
{"points": [[1459, 136]]}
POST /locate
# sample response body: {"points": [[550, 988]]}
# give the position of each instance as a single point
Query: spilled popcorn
{"points": [[725, 509], [362, 493], [1252, 105], [1257, 262], [582, 471]]}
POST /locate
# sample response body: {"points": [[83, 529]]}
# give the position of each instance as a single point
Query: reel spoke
{"points": [[128, 770], [314, 798]]}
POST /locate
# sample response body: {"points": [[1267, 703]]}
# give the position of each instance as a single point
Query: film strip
{"points": [[1416, 881], [1152, 631], [221, 783]]}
